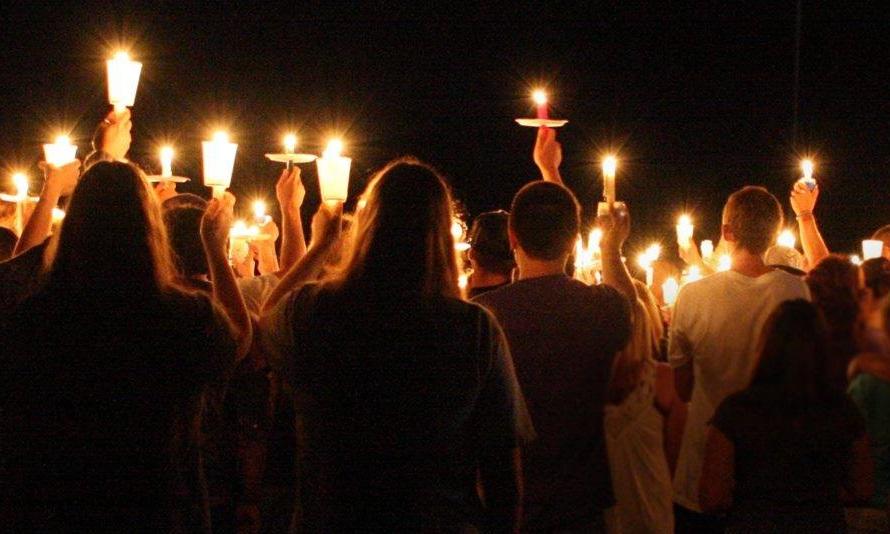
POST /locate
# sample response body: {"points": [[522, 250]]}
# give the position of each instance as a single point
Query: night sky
{"points": [[698, 101]]}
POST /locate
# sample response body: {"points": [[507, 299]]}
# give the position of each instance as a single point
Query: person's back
{"points": [[872, 395], [96, 398], [394, 397]]}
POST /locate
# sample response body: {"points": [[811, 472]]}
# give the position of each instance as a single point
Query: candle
{"points": [[20, 182], [463, 280], [725, 263], [685, 231], [333, 173], [646, 261], [219, 160], [457, 229], [872, 248], [669, 291], [60, 153], [610, 165], [540, 98], [856, 260], [807, 166], [786, 239], [290, 143], [123, 80], [58, 215], [167, 161], [707, 249], [259, 212]]}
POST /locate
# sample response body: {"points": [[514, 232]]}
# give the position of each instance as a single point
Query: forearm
{"points": [[814, 246], [304, 270], [550, 175], [40, 223], [615, 272], [293, 240], [228, 295], [267, 261]]}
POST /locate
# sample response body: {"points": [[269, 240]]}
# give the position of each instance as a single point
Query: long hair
{"points": [[112, 242], [835, 284], [642, 349], [400, 240], [795, 359]]}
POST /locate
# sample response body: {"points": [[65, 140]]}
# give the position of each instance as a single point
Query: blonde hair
{"points": [[640, 352], [400, 238]]}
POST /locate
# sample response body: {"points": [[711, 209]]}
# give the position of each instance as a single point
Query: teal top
{"points": [[872, 395]]}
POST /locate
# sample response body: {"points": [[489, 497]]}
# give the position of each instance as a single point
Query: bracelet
{"points": [[804, 214]]}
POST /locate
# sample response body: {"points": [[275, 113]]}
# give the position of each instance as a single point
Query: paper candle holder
{"points": [[872, 248], [60, 153], [219, 161], [123, 80], [333, 177]]}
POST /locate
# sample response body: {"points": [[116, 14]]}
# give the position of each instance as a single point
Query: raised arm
{"points": [[290, 193], [548, 155], [325, 234], [59, 182], [616, 229], [215, 233], [803, 202]]}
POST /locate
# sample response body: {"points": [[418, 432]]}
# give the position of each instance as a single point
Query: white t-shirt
{"points": [[716, 328]]}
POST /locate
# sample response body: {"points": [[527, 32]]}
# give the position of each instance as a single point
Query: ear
{"points": [[728, 234], [514, 243]]}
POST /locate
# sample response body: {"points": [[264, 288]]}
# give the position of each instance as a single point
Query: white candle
{"points": [[123, 80], [333, 173], [872, 248], [786, 239], [685, 231], [60, 153], [219, 160], [610, 166], [167, 161], [290, 143], [707, 249], [20, 182], [669, 291], [807, 166]]}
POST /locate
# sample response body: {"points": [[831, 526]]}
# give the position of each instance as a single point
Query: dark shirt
{"points": [[19, 276], [397, 396], [97, 411], [789, 467], [476, 291], [563, 336]]}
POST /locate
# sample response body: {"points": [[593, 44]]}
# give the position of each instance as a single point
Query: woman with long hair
{"points": [[403, 391], [781, 452], [104, 366]]}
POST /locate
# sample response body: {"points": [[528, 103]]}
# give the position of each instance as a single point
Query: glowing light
{"points": [[669, 291], [333, 173], [693, 274], [872, 248], [219, 161], [290, 143], [807, 166], [123, 80], [787, 239], [463, 280], [685, 231], [457, 229], [540, 97], [58, 215], [61, 152], [20, 182], [259, 209], [334, 148], [610, 166], [594, 239], [725, 263], [167, 161], [856, 260], [707, 249]]}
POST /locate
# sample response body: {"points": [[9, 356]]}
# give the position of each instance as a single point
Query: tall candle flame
{"points": [[610, 165]]}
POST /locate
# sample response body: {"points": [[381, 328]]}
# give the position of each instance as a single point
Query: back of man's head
{"points": [[544, 219], [8, 240], [754, 217], [184, 231], [883, 235], [491, 244]]}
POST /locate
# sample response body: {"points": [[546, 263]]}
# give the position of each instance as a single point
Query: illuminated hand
{"points": [[616, 227], [217, 221], [165, 190], [691, 255], [62, 180], [802, 199], [326, 224], [548, 152], [290, 190], [113, 136]]}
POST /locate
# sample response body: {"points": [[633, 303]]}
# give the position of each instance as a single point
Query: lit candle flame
{"points": [[122, 55], [807, 166], [259, 209], [457, 229], [669, 291], [290, 143], [20, 182], [725, 263], [58, 215], [610, 165], [685, 231], [335, 147], [540, 97], [707, 249], [787, 239], [220, 136], [856, 260], [693, 274], [167, 161]]}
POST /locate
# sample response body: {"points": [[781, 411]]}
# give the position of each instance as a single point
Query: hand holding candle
{"points": [[807, 166], [610, 166], [61, 152], [333, 173], [685, 231]]}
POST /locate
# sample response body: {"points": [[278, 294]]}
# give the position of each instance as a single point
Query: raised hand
{"points": [[548, 154], [60, 181], [113, 135], [326, 224], [217, 222], [290, 191], [803, 201]]}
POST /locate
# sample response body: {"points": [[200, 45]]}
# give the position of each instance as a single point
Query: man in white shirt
{"points": [[715, 332]]}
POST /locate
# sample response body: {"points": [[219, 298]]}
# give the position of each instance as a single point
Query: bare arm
{"points": [[290, 193], [616, 229], [60, 181], [548, 155], [803, 202], [500, 476], [718, 473], [674, 411], [214, 234]]}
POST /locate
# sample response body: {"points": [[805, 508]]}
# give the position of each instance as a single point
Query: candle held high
{"points": [[333, 173], [219, 161], [123, 80]]}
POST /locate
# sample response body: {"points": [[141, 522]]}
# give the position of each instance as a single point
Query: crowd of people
{"points": [[152, 381]]}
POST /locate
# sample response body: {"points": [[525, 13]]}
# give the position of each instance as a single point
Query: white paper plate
{"points": [[537, 123], [294, 158], [155, 178]]}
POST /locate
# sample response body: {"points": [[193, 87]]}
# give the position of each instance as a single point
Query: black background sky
{"points": [[698, 100]]}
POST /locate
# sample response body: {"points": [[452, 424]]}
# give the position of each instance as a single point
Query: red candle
{"points": [[540, 98]]}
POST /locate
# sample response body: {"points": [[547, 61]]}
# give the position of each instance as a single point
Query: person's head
{"points": [[544, 221], [752, 218], [883, 234], [795, 356], [8, 239], [113, 241], [183, 224], [184, 200], [490, 245], [836, 287], [401, 238]]}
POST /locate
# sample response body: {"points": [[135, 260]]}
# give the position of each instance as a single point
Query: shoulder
{"points": [[792, 284]]}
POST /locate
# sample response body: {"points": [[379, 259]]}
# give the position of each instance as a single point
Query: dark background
{"points": [[698, 100]]}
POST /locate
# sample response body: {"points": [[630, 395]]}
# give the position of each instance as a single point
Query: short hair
{"points": [[545, 218], [754, 215], [883, 234], [877, 276], [490, 242], [184, 231], [184, 200], [8, 239]]}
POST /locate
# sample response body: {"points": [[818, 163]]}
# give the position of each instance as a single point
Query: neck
{"points": [[534, 268], [751, 265], [481, 278]]}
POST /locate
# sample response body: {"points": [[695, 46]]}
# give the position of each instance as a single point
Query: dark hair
{"points": [[184, 230], [834, 284], [190, 200], [795, 357], [491, 244], [754, 216], [877, 276], [8, 239], [883, 234], [545, 218]]}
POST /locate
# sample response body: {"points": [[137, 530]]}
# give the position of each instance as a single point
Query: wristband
{"points": [[804, 214]]}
